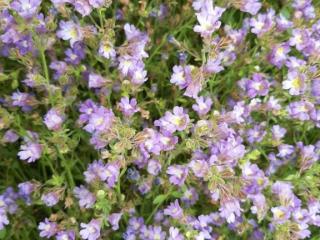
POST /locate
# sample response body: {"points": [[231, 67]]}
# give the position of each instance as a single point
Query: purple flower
{"points": [[25, 190], [280, 214], [178, 174], [106, 49], [53, 119], [285, 150], [87, 108], [181, 76], [278, 55], [258, 86], [22, 100], [50, 199], [250, 6], [59, 67], [154, 167], [230, 209], [10, 136], [173, 121], [83, 7], [91, 231], [128, 106], [96, 80], [3, 218], [30, 151], [66, 235], [174, 210], [278, 132], [262, 23], [114, 219], [200, 168], [26, 8], [47, 228], [156, 233], [295, 82], [100, 120], [174, 234], [190, 196], [208, 21], [301, 110], [70, 31], [86, 198], [202, 106], [75, 54], [283, 23]]}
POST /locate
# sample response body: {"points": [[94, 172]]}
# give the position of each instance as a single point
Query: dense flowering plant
{"points": [[154, 120]]}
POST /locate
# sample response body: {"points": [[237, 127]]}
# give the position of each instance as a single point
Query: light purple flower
{"points": [[208, 21], [70, 31], [278, 55], [301, 110], [230, 209], [10, 136], [177, 120], [91, 230], [178, 174], [278, 132], [106, 49], [128, 106], [280, 214], [47, 228], [66, 235], [154, 167], [53, 119], [202, 106], [3, 218], [100, 120], [257, 86], [174, 234], [295, 82], [86, 198], [26, 8], [50, 199], [30, 151], [96, 80], [250, 6], [174, 210], [114, 219]]}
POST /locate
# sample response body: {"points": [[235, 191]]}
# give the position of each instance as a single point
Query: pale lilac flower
{"points": [[177, 120], [100, 120], [154, 167], [50, 199], [174, 210], [200, 168], [280, 214], [230, 209], [70, 31], [174, 234], [26, 8], [83, 7], [47, 228], [202, 106], [250, 6], [301, 110], [86, 198], [283, 23], [3, 218], [262, 23], [10, 136], [278, 55], [208, 21], [128, 106], [106, 49], [30, 151], [278, 132], [66, 235], [178, 174], [257, 86], [295, 82], [91, 230], [96, 80], [53, 119], [114, 219]]}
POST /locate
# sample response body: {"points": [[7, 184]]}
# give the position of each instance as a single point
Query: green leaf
{"points": [[3, 233], [160, 198]]}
